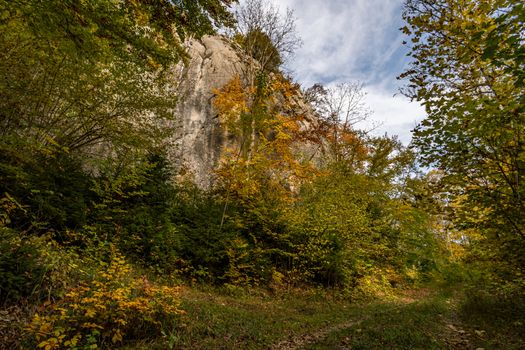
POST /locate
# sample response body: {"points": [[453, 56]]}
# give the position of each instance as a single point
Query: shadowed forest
{"points": [[311, 234]]}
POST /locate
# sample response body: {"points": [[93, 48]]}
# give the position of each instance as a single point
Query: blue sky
{"points": [[356, 40]]}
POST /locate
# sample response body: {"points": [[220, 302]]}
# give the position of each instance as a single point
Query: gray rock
{"points": [[199, 138]]}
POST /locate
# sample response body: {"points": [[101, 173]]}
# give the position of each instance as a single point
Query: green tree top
{"points": [[145, 28], [468, 71]]}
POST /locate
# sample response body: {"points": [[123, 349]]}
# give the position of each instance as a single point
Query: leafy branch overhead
{"points": [[152, 29], [89, 72], [468, 71]]}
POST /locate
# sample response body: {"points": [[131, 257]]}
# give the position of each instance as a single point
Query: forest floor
{"points": [[414, 319]]}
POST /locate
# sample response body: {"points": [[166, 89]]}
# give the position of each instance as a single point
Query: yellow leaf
{"points": [[116, 337], [90, 313]]}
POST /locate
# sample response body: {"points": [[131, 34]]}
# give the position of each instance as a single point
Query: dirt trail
{"points": [[456, 335], [408, 297], [300, 341]]}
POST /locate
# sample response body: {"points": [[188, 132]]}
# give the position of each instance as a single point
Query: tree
{"points": [[246, 104], [79, 73], [267, 165], [85, 85], [468, 72], [340, 109], [266, 34], [259, 46], [260, 172]]}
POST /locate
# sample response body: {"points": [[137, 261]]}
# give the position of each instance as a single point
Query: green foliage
{"points": [[360, 226], [238, 247], [203, 240], [140, 29], [49, 200], [81, 82], [20, 269], [87, 192], [76, 75], [332, 223], [259, 46], [351, 223], [80, 85], [468, 72], [34, 268], [69, 92], [134, 207]]}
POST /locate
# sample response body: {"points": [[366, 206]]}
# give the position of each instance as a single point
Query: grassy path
{"points": [[327, 335], [299, 342], [310, 320], [427, 322]]}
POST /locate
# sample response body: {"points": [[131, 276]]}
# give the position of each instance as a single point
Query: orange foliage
{"points": [[271, 138], [231, 101]]}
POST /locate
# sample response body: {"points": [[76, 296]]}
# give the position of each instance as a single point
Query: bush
{"points": [[50, 185], [33, 267], [21, 269], [114, 306]]}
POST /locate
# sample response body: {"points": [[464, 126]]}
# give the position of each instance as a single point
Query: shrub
{"points": [[20, 269], [48, 186], [33, 267], [102, 312]]}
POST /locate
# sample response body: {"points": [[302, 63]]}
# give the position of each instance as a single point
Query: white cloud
{"points": [[396, 114], [349, 40], [344, 40]]}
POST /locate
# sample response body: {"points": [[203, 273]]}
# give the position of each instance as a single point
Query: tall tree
{"points": [[80, 72], [82, 82], [468, 71], [340, 108], [267, 35]]}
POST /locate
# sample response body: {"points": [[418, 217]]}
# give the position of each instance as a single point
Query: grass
{"points": [[416, 325], [440, 321], [218, 319], [253, 319], [499, 320]]}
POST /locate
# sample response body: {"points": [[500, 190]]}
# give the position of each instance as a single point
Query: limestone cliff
{"points": [[199, 137]]}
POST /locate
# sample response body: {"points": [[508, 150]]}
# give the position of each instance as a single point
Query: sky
{"points": [[356, 40]]}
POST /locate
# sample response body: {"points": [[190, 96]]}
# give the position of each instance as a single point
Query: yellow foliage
{"points": [[264, 160], [376, 283], [231, 101], [104, 309]]}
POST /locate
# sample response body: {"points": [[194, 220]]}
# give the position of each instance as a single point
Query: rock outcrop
{"points": [[199, 137]]}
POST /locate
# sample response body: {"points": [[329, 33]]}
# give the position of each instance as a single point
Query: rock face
{"points": [[199, 137]]}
